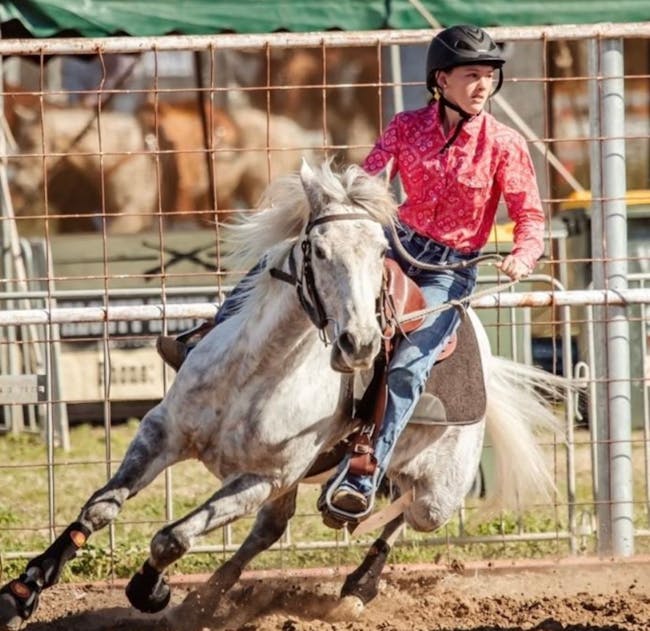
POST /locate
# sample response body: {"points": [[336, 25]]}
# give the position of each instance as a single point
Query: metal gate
{"points": [[115, 169]]}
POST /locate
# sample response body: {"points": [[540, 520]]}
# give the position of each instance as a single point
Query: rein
{"points": [[433, 267], [308, 293], [304, 281], [462, 303], [439, 267]]}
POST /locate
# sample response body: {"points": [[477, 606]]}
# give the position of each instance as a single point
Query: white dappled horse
{"points": [[262, 396]]}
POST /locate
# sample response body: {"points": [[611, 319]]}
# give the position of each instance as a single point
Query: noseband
{"points": [[304, 282]]}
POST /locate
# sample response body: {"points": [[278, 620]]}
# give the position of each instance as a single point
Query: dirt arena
{"points": [[546, 596]]}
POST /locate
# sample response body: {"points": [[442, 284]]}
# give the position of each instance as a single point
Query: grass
{"points": [[118, 551]]}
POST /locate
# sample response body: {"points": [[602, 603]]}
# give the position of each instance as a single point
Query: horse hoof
{"points": [[348, 608], [364, 591], [18, 601], [10, 618], [148, 590]]}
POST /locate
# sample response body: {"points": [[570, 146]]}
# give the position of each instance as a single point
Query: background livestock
{"points": [[97, 169], [117, 167]]}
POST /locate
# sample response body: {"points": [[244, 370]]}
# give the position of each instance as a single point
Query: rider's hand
{"points": [[513, 267]]}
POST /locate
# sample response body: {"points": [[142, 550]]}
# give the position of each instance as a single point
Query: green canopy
{"points": [[518, 12], [98, 18]]}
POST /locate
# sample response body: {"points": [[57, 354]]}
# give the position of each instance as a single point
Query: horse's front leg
{"points": [[145, 458], [362, 584], [148, 590], [270, 524]]}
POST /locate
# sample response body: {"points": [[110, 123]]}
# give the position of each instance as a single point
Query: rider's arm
{"points": [[519, 188]]}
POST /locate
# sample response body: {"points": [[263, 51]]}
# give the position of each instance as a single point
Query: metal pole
{"points": [[616, 320], [598, 366]]}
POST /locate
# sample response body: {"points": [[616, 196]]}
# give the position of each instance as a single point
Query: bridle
{"points": [[303, 280]]}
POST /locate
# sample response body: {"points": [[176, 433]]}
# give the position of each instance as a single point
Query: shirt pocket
{"points": [[473, 189]]}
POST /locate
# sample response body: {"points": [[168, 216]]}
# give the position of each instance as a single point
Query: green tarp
{"points": [[518, 13], [97, 18]]}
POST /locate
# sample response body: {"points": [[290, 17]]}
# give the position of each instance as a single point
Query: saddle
{"points": [[456, 372]]}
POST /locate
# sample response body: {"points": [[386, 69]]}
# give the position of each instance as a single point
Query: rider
{"points": [[455, 162]]}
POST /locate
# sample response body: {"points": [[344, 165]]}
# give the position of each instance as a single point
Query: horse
{"points": [[250, 148], [93, 161], [350, 107], [267, 393]]}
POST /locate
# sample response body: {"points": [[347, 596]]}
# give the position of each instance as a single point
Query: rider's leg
{"points": [[407, 374], [174, 349]]}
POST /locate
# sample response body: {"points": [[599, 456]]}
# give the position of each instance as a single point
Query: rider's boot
{"points": [[174, 350], [350, 500]]}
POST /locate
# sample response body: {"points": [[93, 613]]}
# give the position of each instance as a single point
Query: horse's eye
{"points": [[319, 252]]}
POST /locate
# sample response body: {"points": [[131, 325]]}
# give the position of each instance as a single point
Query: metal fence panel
{"points": [[117, 169]]}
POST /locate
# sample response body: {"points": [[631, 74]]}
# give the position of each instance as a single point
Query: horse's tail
{"points": [[520, 417]]}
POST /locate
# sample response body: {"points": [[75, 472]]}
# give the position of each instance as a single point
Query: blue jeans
{"points": [[233, 301], [416, 354]]}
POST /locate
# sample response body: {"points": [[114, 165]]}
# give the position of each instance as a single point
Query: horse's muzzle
{"points": [[352, 351]]}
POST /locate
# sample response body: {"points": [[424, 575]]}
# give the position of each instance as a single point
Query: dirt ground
{"points": [[562, 596]]}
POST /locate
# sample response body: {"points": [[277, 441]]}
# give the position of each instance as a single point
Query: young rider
{"points": [[455, 162]]}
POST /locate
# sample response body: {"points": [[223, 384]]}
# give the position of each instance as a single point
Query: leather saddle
{"points": [[445, 397]]}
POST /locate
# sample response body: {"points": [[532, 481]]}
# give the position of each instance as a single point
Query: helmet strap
{"points": [[452, 106], [499, 82], [464, 117]]}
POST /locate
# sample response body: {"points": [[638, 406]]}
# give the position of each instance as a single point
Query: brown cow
{"points": [[176, 130]]}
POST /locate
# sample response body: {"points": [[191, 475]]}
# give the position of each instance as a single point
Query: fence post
{"points": [[609, 253]]}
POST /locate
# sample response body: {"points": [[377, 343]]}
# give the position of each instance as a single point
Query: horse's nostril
{"points": [[347, 343], [357, 346]]}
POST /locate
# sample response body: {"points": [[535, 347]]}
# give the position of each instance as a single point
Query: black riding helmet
{"points": [[462, 45]]}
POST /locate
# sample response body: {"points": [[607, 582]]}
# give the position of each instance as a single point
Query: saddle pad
{"points": [[455, 390]]}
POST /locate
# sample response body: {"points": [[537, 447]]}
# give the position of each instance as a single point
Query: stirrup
{"points": [[338, 514]]}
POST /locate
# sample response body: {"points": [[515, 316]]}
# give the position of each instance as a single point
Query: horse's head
{"points": [[343, 254]]}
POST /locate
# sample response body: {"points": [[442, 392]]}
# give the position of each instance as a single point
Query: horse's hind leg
{"points": [[145, 458]]}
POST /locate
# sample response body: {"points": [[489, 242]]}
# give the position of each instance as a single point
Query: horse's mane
{"points": [[283, 211]]}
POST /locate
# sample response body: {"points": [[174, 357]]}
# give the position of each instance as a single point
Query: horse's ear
{"points": [[309, 183], [306, 172]]}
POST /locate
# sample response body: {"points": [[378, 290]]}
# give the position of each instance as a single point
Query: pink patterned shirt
{"points": [[452, 197]]}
